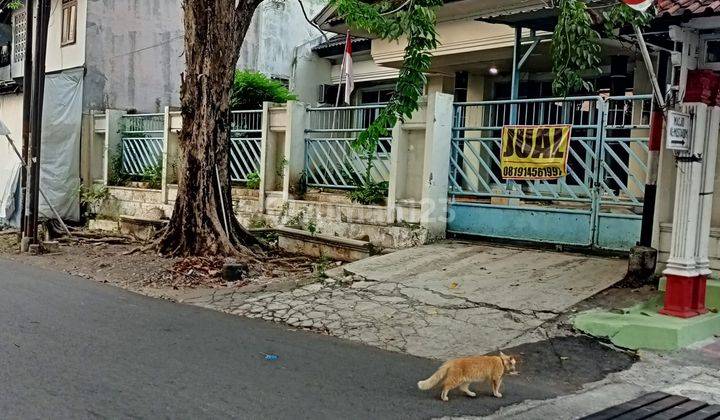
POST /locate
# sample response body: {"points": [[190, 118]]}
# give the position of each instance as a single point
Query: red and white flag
{"points": [[640, 5], [348, 69]]}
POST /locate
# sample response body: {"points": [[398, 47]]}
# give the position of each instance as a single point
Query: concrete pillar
{"points": [[166, 142], [87, 138], [294, 148], [264, 152], [398, 170], [681, 269], [436, 167], [440, 83], [96, 146], [112, 139], [702, 237]]}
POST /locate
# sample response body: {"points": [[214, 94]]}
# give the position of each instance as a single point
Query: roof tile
{"points": [[690, 7]]}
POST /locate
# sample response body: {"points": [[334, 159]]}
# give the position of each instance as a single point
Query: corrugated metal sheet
{"points": [[338, 40], [498, 8]]}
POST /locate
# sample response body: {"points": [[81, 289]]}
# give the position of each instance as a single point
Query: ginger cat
{"points": [[460, 373]]}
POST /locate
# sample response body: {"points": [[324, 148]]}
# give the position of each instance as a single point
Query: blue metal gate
{"points": [[598, 204]]}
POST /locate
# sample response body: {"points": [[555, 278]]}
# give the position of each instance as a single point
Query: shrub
{"points": [[153, 176], [250, 89], [253, 181], [370, 192]]}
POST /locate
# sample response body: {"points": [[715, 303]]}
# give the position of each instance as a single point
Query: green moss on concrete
{"points": [[642, 327], [712, 300]]}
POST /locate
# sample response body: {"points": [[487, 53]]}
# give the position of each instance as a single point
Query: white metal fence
{"points": [[245, 143], [330, 159], [142, 137], [142, 142]]}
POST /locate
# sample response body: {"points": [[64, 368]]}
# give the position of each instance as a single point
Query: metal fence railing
{"points": [[330, 160], [607, 154], [623, 156], [245, 141], [141, 142], [476, 144]]}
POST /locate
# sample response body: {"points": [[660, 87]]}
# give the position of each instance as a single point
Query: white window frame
{"points": [[377, 88], [68, 22]]}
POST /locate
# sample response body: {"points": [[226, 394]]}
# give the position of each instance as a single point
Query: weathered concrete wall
{"points": [[277, 28], [309, 72], [340, 219], [134, 49], [133, 54]]}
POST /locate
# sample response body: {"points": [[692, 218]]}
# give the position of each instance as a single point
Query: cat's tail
{"points": [[435, 379]]}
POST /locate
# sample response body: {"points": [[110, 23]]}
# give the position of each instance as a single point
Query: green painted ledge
{"points": [[642, 327]]}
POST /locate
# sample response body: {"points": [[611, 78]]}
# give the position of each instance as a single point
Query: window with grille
{"points": [[69, 22], [19, 31]]}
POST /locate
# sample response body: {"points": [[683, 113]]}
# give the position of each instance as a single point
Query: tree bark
{"points": [[203, 221]]}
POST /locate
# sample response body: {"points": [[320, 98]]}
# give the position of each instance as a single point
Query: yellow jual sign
{"points": [[535, 152]]}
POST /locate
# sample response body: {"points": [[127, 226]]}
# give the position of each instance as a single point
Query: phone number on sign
{"points": [[524, 172]]}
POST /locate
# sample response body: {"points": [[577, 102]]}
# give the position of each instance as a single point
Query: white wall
{"points": [[59, 57], [69, 56], [366, 70]]}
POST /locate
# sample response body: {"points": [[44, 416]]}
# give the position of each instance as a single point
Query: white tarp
{"points": [[9, 189], [60, 151], [11, 115]]}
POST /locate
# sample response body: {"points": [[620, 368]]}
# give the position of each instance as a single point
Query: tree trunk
{"points": [[203, 221]]}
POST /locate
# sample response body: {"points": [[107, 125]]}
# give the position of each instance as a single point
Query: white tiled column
{"points": [[681, 269]]}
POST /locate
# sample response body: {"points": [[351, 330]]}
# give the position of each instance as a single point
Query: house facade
{"points": [[601, 201]]}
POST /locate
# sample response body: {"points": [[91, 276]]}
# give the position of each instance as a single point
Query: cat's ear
{"points": [[502, 354]]}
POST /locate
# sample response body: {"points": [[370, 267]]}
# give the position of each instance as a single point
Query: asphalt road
{"points": [[72, 348]]}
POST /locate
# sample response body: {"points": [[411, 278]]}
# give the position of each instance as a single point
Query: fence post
{"points": [[294, 147], [166, 141], [112, 139], [436, 167], [264, 143], [398, 169]]}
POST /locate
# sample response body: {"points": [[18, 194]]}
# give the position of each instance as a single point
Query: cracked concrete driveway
{"points": [[439, 301]]}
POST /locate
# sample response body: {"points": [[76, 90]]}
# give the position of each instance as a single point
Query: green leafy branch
{"points": [[417, 22], [622, 15], [576, 50], [415, 19]]}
